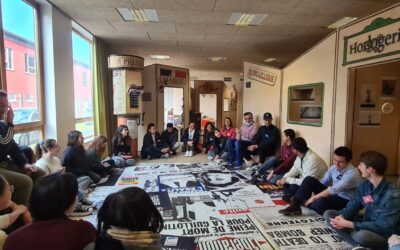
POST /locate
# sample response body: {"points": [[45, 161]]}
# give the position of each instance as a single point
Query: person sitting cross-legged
{"points": [[170, 138], [153, 147], [306, 164], [380, 201], [317, 195]]}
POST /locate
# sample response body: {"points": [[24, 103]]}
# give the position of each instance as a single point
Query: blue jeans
{"points": [[241, 151], [275, 178], [271, 163], [363, 238], [395, 247], [231, 150]]}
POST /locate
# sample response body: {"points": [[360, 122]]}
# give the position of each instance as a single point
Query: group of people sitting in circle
{"points": [[55, 189]]}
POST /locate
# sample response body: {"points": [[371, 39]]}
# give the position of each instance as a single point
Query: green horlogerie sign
{"points": [[380, 38]]}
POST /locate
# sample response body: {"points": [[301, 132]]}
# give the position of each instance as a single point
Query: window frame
{"points": [[27, 66], [9, 54], [36, 125]]}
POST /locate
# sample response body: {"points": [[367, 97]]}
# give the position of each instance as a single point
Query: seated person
{"points": [[29, 154], [14, 166], [267, 140], [278, 166], [228, 132], [306, 164], [53, 199], [74, 158], [320, 197], [190, 140], [95, 154], [46, 152], [219, 152], [381, 203], [170, 138], [121, 147], [153, 147], [12, 216], [128, 219], [208, 138], [244, 138]]}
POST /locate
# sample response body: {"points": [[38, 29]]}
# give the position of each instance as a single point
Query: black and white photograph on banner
{"points": [[179, 183], [214, 180]]}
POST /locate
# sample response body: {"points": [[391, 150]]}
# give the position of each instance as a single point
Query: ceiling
{"points": [[190, 31]]}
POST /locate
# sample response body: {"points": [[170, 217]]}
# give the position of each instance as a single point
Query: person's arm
{"points": [[286, 165], [196, 137], [114, 146], [354, 205], [273, 141], [9, 134], [327, 179], [16, 155], [185, 136], [349, 180], [290, 176]]}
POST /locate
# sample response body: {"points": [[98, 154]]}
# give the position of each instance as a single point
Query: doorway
{"points": [[173, 106], [375, 121], [208, 109]]}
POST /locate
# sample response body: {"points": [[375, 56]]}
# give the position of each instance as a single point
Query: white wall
{"points": [[317, 65], [208, 106], [261, 97]]}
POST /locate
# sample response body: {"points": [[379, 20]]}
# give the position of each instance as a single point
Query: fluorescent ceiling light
{"points": [[160, 57], [342, 22], [216, 59], [245, 19], [271, 59], [138, 15]]}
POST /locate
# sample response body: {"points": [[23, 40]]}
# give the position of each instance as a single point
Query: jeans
{"points": [[290, 189], [275, 178], [271, 163], [363, 238], [231, 150], [241, 151], [395, 247], [84, 182]]}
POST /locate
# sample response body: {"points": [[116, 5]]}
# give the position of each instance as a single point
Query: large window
{"points": [[83, 85], [23, 82]]}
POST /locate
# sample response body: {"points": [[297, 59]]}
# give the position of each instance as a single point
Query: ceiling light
{"points": [[342, 22], [216, 59], [245, 19], [271, 59], [138, 15], [160, 57]]}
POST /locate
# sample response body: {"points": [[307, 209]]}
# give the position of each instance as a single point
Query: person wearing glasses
{"points": [[13, 164], [317, 195]]}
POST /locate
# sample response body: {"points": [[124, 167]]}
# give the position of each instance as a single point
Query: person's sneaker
{"points": [[87, 203], [165, 156], [187, 154], [292, 209], [210, 158], [256, 179], [287, 198], [241, 166], [81, 211], [218, 161], [190, 153]]}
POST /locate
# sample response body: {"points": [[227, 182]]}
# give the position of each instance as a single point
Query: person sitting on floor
{"points": [[320, 197], [219, 153], [14, 166], [244, 138], [46, 152], [153, 147], [380, 201], [128, 219], [306, 164], [190, 140], [95, 154], [74, 158], [267, 140], [53, 199], [170, 138], [12, 216], [208, 138], [228, 132], [274, 167], [121, 147]]}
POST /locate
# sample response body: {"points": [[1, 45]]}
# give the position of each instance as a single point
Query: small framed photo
{"points": [[310, 112], [368, 96], [388, 88], [369, 119]]}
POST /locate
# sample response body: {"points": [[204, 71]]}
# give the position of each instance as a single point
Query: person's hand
{"points": [[340, 223], [190, 143], [20, 209], [252, 147], [269, 176], [216, 158], [165, 150], [281, 182], [10, 115], [309, 201], [30, 168], [394, 240]]}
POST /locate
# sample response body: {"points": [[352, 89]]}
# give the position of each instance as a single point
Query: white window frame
{"points": [[30, 69], [9, 58]]}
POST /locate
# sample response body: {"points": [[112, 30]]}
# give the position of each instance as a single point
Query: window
{"points": [[21, 46], [30, 64], [83, 84], [9, 59]]}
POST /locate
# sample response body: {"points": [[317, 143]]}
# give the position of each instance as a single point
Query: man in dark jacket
{"points": [[13, 164], [153, 146], [170, 137], [267, 140]]}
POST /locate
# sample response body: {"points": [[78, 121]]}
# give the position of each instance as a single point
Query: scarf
{"points": [[142, 239]]}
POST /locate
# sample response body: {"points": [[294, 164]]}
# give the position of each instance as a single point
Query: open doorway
{"points": [[208, 109], [374, 112], [173, 106]]}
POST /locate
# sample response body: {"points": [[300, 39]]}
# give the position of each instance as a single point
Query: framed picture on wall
{"points": [[369, 119], [388, 88], [368, 96], [226, 104]]}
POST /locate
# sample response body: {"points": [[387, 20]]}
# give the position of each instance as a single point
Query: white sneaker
{"points": [[218, 161], [165, 156], [190, 153], [186, 153], [210, 158]]}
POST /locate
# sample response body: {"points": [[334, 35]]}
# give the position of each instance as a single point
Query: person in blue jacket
{"points": [[381, 203]]}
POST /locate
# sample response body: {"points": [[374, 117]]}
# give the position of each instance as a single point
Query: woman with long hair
{"points": [[121, 147]]}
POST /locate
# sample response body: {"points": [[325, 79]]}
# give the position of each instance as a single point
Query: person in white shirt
{"points": [[306, 164]]}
